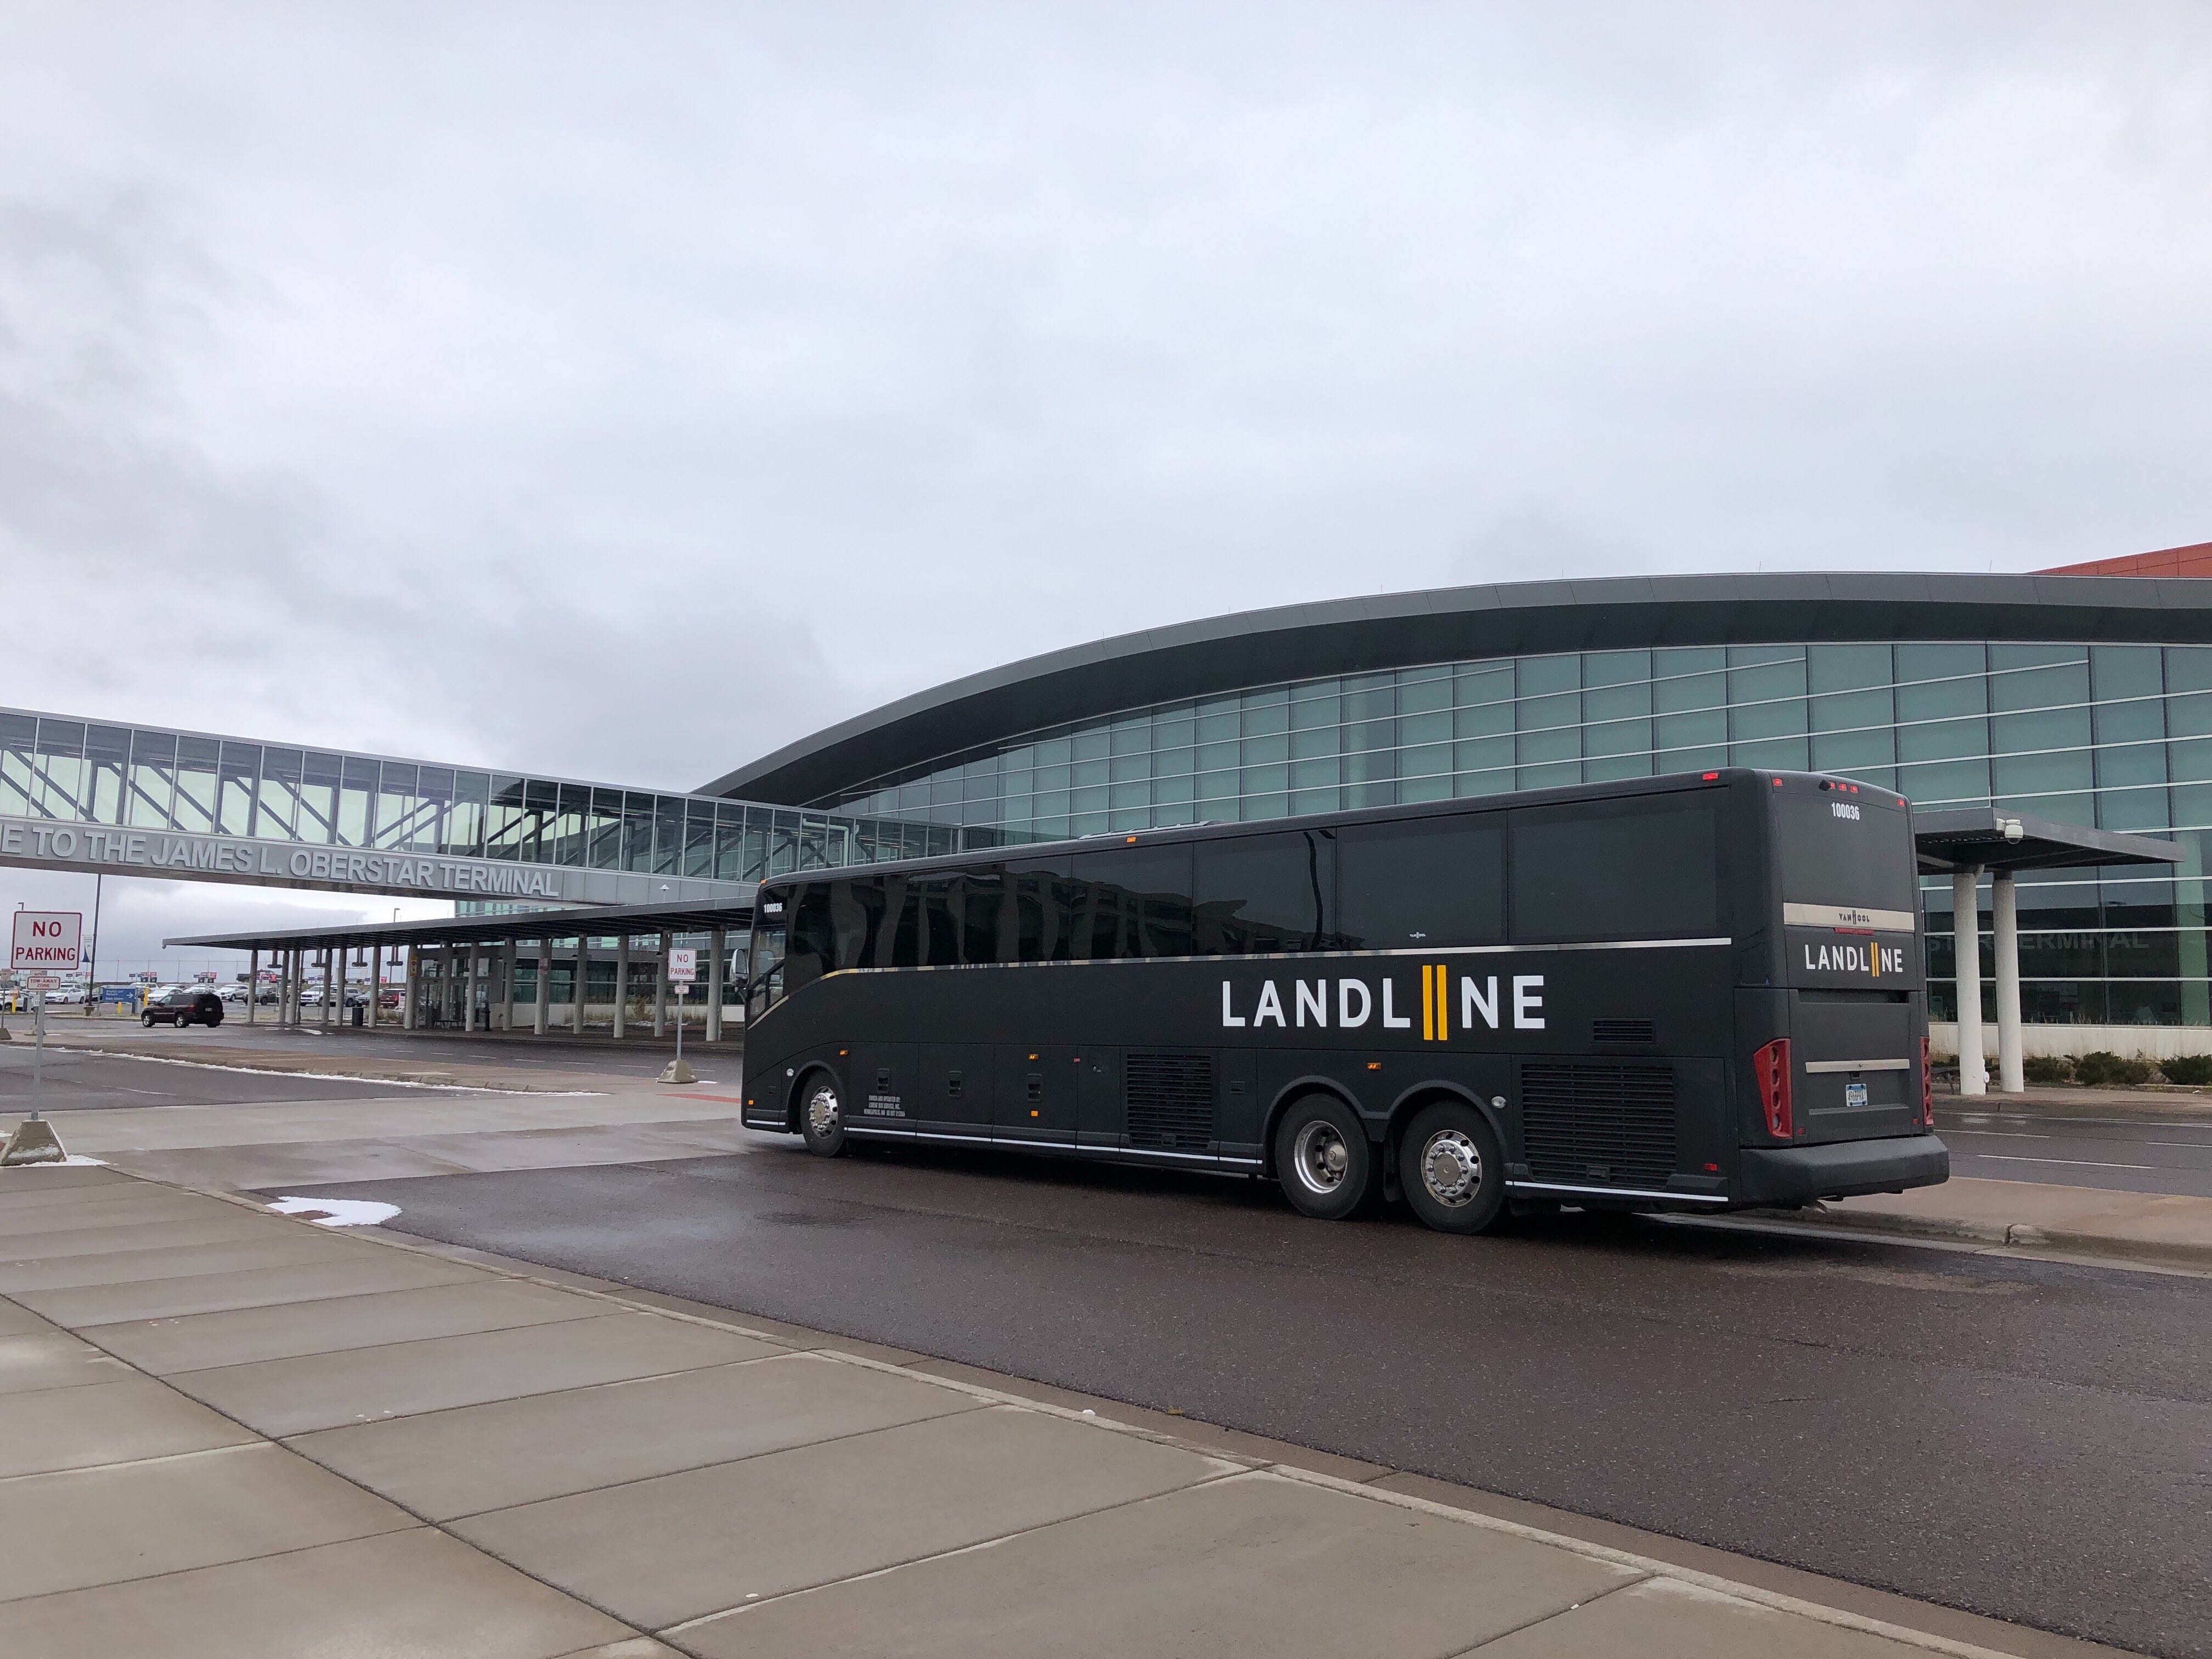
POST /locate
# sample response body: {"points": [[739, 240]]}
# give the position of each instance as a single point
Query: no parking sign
{"points": [[46, 942]]}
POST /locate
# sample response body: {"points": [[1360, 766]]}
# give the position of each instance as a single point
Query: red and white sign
{"points": [[682, 966], [47, 941]]}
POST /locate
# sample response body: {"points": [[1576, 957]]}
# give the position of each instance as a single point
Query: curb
{"points": [[2012, 1235]]}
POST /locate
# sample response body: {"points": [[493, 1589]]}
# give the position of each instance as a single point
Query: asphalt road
{"points": [[640, 1058], [2024, 1439], [2107, 1147], [78, 1081]]}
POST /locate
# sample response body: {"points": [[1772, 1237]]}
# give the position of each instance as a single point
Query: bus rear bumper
{"points": [[1843, 1169]]}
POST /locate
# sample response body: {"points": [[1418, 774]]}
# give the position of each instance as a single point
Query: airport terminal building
{"points": [[2083, 697]]}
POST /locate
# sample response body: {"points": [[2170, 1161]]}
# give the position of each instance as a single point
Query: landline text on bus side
{"points": [[1480, 997]]}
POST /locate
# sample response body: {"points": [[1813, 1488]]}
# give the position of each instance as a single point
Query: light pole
{"points": [[92, 961]]}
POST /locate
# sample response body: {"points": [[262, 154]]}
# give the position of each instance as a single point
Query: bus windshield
{"points": [[764, 981]]}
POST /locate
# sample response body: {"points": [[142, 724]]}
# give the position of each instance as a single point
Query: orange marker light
{"points": [[1374, 1065]]}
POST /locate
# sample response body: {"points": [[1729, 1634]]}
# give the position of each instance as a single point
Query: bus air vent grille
{"points": [[1170, 1099], [1595, 1124], [1624, 1030]]}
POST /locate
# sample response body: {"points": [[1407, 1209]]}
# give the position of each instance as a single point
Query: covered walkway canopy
{"points": [[1967, 841], [472, 962]]}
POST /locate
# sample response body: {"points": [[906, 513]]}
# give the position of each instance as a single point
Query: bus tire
{"points": [[1327, 1165], [1451, 1169], [821, 1117]]}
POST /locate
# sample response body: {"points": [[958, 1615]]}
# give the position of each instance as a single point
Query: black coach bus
{"points": [[1682, 993]]}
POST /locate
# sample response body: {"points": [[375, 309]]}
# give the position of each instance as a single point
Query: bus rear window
{"points": [[1845, 854]]}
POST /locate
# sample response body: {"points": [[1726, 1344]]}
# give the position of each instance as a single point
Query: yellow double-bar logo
{"points": [[1436, 1002]]}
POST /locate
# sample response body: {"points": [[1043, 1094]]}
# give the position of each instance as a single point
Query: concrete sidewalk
{"points": [[2163, 1229], [222, 1431]]}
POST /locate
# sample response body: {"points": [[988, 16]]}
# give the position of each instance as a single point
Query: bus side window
{"points": [[982, 892], [1427, 882], [1640, 869], [813, 944], [1138, 901], [855, 912], [940, 923], [1037, 911], [1255, 895], [898, 930]]}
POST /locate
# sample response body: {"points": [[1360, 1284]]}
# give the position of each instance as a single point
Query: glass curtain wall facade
{"points": [[142, 778], [2117, 737]]}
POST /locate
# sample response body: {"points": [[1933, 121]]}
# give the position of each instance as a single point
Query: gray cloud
{"points": [[625, 392]]}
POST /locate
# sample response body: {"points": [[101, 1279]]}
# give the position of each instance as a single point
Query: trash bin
{"points": [[358, 1012]]}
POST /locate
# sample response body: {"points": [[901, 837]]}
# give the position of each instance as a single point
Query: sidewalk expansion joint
{"points": [[1556, 1612], [890, 1567], [657, 1475]]}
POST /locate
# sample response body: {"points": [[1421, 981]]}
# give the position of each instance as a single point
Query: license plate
{"points": [[1855, 1094]]}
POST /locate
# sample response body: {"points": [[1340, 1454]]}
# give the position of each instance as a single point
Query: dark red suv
{"points": [[184, 1007]]}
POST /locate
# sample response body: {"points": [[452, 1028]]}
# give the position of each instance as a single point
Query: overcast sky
{"points": [[625, 390]]}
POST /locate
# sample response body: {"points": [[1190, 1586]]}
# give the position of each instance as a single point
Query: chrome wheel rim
{"points": [[1322, 1157], [1451, 1169], [822, 1114]]}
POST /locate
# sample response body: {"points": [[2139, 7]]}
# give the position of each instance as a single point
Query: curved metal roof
{"points": [[1360, 635]]}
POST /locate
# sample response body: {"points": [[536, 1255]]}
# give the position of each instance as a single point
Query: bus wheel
{"points": [[1326, 1164], [1451, 1168], [821, 1119]]}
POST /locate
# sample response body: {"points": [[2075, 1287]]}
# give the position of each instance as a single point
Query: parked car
{"points": [[232, 992], [184, 1005]]}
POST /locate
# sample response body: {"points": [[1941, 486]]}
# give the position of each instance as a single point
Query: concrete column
{"points": [[539, 1014], [660, 986], [252, 985], [507, 988], [329, 953], [583, 979], [1966, 922], [622, 987], [718, 942], [448, 979], [287, 997], [2004, 905], [375, 980], [469, 980], [414, 988]]}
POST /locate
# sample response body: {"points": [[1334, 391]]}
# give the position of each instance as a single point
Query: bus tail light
{"points": [[1772, 1063], [1926, 1088]]}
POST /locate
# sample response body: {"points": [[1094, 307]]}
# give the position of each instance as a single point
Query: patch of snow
{"points": [[337, 1212]]}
